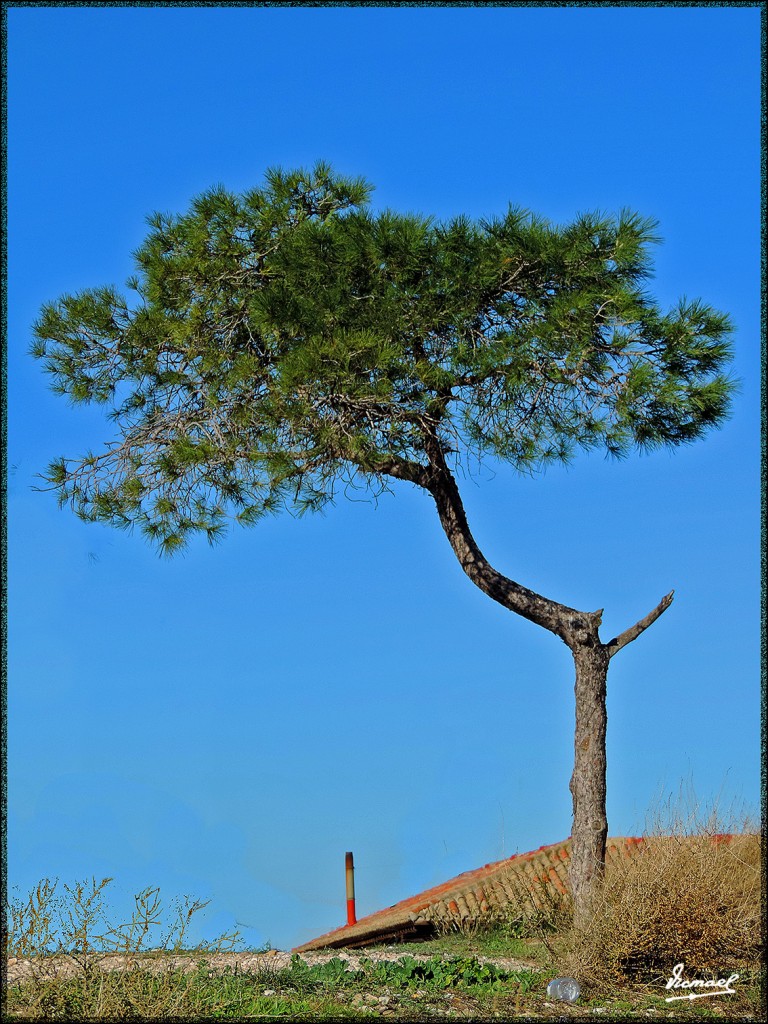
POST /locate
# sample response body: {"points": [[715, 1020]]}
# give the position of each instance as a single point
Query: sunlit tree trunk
{"points": [[588, 781]]}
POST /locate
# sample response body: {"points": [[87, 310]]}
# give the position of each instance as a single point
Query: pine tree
{"points": [[288, 342]]}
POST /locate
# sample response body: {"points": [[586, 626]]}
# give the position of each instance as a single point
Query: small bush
{"points": [[76, 923], [688, 896], [80, 966]]}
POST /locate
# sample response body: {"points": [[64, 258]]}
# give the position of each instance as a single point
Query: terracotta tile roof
{"points": [[534, 877]]}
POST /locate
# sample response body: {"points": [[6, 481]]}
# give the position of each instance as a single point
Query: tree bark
{"points": [[588, 781], [580, 632]]}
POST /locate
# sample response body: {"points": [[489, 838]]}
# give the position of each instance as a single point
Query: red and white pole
{"points": [[350, 866]]}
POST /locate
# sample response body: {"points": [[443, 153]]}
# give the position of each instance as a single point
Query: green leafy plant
{"points": [[434, 972]]}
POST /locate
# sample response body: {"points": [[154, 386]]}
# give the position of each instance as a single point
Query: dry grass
{"points": [[67, 944], [537, 912], [691, 895], [75, 922]]}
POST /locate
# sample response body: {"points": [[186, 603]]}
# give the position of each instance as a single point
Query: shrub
{"points": [[690, 896], [80, 966]]}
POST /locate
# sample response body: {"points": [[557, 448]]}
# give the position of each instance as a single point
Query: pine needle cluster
{"points": [[290, 340]]}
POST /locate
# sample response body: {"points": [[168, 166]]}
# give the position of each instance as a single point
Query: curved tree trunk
{"points": [[580, 631]]}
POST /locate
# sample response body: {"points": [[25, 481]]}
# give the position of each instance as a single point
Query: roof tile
{"points": [[468, 896]]}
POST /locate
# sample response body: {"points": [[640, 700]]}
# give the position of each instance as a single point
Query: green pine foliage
{"points": [[289, 340]]}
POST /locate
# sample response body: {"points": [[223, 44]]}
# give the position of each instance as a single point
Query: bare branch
{"points": [[615, 645]]}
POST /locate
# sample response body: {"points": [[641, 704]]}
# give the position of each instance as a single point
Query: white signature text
{"points": [[716, 986]]}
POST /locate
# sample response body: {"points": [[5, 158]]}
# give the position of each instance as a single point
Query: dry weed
{"points": [[68, 947], [691, 894]]}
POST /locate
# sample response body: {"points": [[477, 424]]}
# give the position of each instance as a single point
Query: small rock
{"points": [[268, 992]]}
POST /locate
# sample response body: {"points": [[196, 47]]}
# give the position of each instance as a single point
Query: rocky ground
{"points": [[273, 960]]}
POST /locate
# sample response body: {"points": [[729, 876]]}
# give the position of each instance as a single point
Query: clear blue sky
{"points": [[229, 723]]}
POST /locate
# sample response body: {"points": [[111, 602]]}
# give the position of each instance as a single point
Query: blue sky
{"points": [[229, 723]]}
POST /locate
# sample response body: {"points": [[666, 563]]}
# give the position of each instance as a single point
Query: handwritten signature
{"points": [[718, 987]]}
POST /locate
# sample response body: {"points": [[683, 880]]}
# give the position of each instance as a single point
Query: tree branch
{"points": [[403, 469], [567, 623], [615, 645]]}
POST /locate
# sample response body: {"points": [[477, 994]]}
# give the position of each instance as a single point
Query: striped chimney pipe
{"points": [[350, 871]]}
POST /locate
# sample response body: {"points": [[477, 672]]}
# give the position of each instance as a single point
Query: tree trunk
{"points": [[588, 782], [580, 631]]}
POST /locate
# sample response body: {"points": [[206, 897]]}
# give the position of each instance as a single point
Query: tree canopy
{"points": [[290, 341]]}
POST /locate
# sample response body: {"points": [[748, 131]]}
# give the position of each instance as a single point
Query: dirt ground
{"points": [[274, 960]]}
